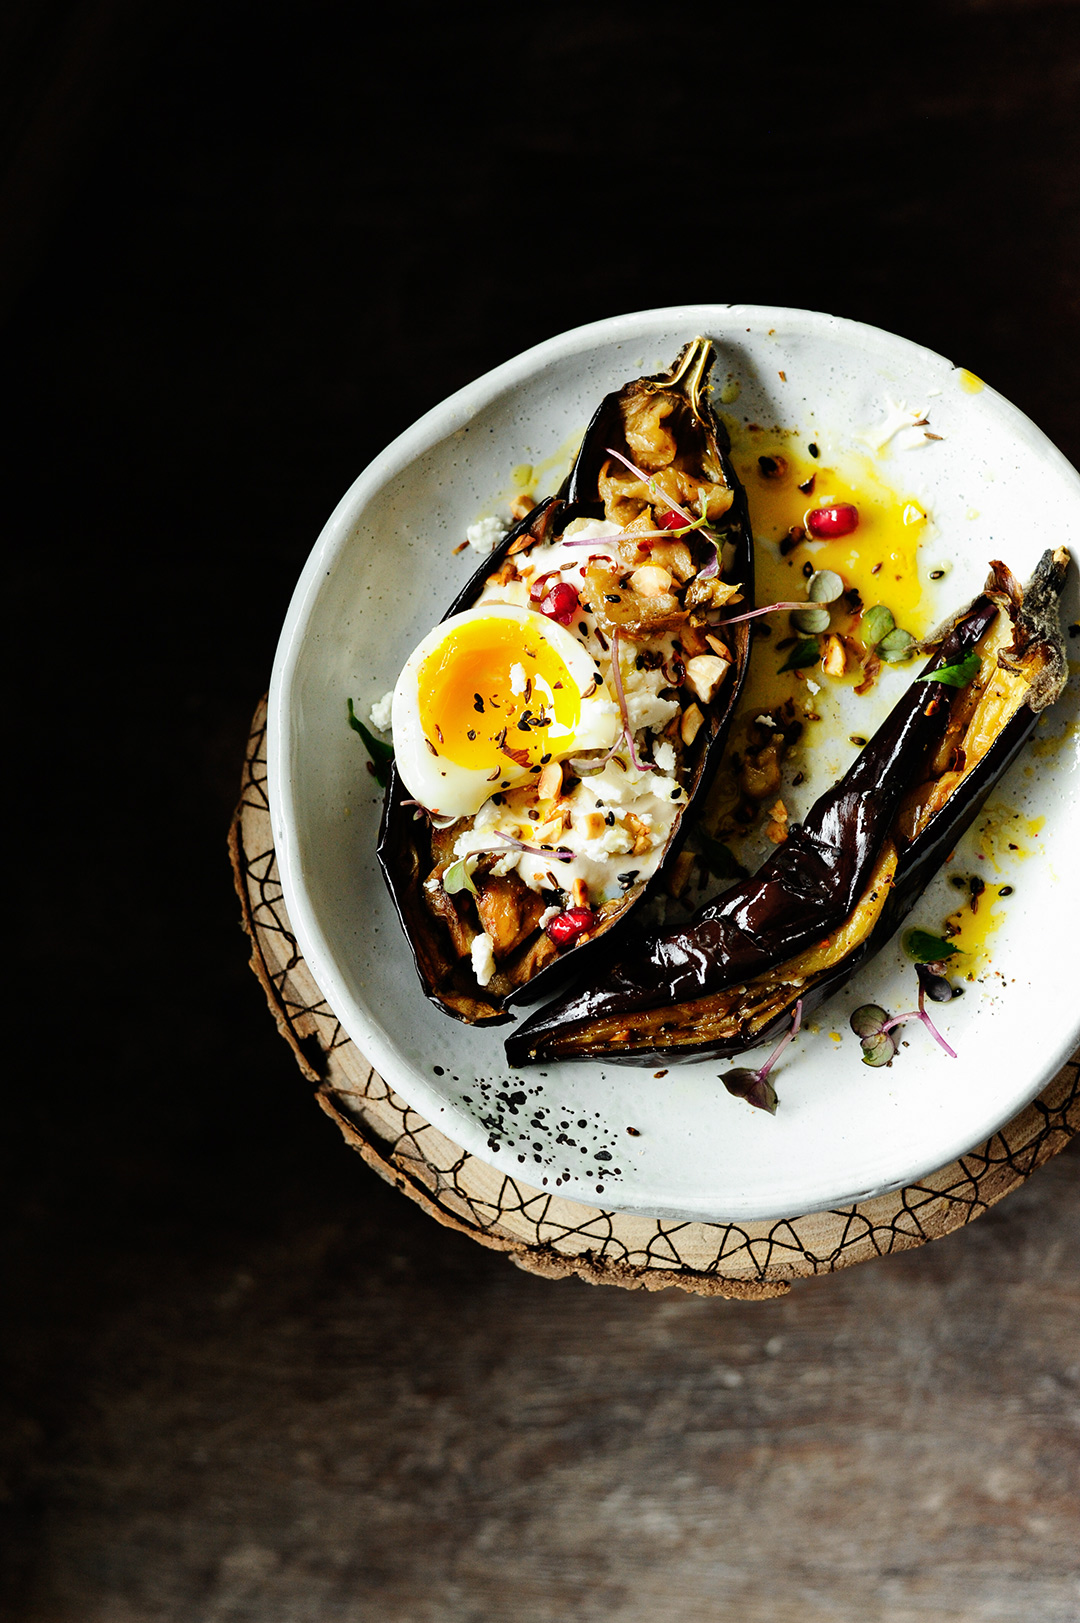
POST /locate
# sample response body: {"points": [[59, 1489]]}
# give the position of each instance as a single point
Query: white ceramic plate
{"points": [[382, 573]]}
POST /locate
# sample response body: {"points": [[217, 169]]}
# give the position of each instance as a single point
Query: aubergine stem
{"points": [[692, 372], [806, 889]]}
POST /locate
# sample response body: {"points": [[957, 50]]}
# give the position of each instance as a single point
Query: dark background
{"points": [[246, 246]]}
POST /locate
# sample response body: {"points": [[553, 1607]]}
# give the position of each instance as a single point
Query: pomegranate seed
{"points": [[827, 523], [561, 603], [566, 927], [671, 521]]}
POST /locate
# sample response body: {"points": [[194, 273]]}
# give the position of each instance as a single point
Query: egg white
{"points": [[450, 790]]}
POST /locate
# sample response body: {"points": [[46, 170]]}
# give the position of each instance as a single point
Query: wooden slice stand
{"points": [[547, 1234]]}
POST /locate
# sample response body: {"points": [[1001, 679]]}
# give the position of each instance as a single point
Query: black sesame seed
{"points": [[814, 452]]}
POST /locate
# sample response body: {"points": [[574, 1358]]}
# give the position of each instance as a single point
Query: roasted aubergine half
{"points": [[838, 887], [554, 730]]}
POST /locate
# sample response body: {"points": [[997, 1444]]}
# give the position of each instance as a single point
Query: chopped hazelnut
{"points": [[705, 673], [834, 659], [690, 725], [549, 783], [651, 581]]}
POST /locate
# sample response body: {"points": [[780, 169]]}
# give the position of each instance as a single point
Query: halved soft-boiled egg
{"points": [[488, 698]]}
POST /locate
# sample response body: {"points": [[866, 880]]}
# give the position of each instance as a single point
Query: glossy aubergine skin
{"points": [[404, 843], [809, 887]]}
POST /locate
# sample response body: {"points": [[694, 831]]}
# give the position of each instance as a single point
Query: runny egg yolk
{"points": [[487, 693]]}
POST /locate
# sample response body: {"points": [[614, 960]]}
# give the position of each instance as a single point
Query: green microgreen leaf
{"points": [[382, 755], [879, 1050], [924, 948], [804, 653], [815, 617], [895, 646], [720, 859], [955, 676], [824, 586], [457, 877], [877, 623]]}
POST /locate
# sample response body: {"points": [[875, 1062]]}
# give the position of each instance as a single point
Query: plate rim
{"points": [[438, 423]]}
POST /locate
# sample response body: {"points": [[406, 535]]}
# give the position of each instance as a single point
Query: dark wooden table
{"points": [[243, 1379]]}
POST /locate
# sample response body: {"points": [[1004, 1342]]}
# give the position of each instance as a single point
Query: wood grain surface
{"points": [[242, 1378]]}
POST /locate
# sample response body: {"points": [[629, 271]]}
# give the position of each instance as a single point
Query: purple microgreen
{"points": [[933, 983], [710, 570], [873, 1025], [879, 1049], [754, 1086], [628, 732], [649, 480], [382, 755], [868, 1020], [954, 676], [924, 948], [921, 1014], [770, 608], [560, 853], [804, 654], [608, 540]]}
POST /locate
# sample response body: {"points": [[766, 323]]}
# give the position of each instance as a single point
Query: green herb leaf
{"points": [[382, 755], [457, 877], [877, 623], [804, 653], [924, 948], [720, 859], [955, 676]]}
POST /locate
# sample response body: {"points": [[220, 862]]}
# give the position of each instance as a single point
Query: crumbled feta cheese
{"points": [[380, 713], [646, 711], [485, 535], [483, 958], [616, 841], [664, 756], [500, 869], [517, 679], [547, 915], [765, 721], [815, 687]]}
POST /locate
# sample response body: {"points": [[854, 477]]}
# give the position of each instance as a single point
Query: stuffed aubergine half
{"points": [[552, 732], [842, 882]]}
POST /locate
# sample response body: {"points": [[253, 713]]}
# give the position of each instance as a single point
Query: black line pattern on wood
{"points": [[423, 1162]]}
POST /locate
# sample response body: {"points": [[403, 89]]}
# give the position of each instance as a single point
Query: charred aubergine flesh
{"points": [[841, 883], [552, 733]]}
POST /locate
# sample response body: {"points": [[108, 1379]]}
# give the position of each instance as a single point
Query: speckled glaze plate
{"points": [[383, 572]]}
